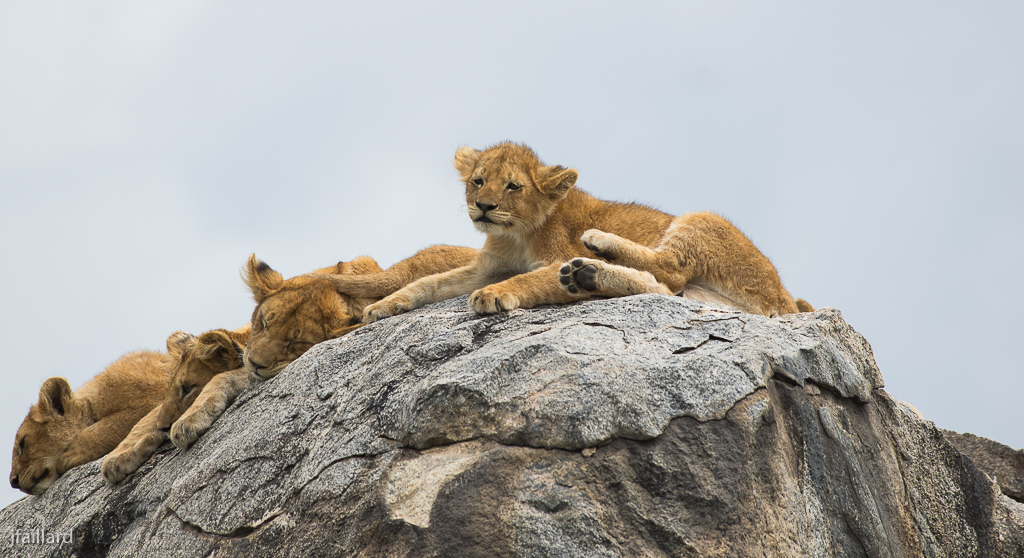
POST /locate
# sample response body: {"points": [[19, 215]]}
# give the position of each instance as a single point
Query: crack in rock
{"points": [[239, 532], [711, 337]]}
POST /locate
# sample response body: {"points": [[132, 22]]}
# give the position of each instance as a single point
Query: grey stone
{"points": [[639, 426], [1003, 464]]}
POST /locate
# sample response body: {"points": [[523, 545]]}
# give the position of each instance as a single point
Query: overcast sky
{"points": [[874, 151]]}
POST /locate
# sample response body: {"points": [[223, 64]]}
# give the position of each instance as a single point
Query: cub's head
{"points": [[293, 315], [508, 189], [52, 423], [194, 362]]}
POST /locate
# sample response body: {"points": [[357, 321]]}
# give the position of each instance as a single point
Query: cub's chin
{"points": [[264, 374], [488, 227]]}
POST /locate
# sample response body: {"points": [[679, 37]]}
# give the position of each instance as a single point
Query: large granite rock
{"points": [[640, 426]]}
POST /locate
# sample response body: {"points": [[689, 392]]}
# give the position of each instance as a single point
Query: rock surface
{"points": [[639, 426], [1002, 463]]}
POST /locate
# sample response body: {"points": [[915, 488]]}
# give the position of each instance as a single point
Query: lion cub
{"points": [[197, 363], [293, 315], [65, 429], [290, 317], [538, 224]]}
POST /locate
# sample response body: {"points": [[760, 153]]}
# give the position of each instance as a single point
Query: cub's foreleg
{"points": [[98, 439], [141, 443], [208, 407], [526, 290], [427, 290], [605, 279]]}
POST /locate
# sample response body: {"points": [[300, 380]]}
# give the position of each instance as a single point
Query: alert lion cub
{"points": [[65, 429], [538, 224]]}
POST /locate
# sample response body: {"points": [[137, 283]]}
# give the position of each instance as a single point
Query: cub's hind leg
{"points": [[666, 266], [619, 250], [605, 279], [720, 260]]}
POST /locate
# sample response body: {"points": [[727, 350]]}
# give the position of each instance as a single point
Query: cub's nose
{"points": [[485, 207], [14, 483]]}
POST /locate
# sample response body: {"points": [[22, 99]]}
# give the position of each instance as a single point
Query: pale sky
{"points": [[875, 152]]}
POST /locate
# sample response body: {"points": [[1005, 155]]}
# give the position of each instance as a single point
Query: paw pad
{"points": [[578, 274]]}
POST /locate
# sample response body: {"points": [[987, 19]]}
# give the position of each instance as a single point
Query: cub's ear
{"points": [[55, 396], [178, 342], [557, 180], [465, 161], [359, 266], [219, 346], [261, 279]]}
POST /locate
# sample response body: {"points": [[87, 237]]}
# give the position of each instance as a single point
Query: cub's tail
{"points": [[804, 306]]}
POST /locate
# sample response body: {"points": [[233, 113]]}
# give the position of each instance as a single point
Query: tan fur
{"points": [[426, 262], [209, 355], [804, 306], [64, 429], [195, 363], [290, 317], [140, 444], [219, 394], [538, 224], [293, 315]]}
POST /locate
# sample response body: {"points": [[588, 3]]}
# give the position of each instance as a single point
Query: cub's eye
{"points": [[187, 389], [263, 323], [21, 445], [513, 186], [478, 182]]}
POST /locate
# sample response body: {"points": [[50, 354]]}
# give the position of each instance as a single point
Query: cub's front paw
{"points": [[117, 466], [490, 300], [389, 306], [70, 459], [579, 274], [189, 428]]}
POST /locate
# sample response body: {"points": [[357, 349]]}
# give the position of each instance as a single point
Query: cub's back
{"points": [[136, 380], [637, 222], [579, 211]]}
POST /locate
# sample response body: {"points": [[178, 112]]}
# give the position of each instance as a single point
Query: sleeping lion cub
{"points": [[199, 365], [65, 429], [538, 224], [291, 316]]}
